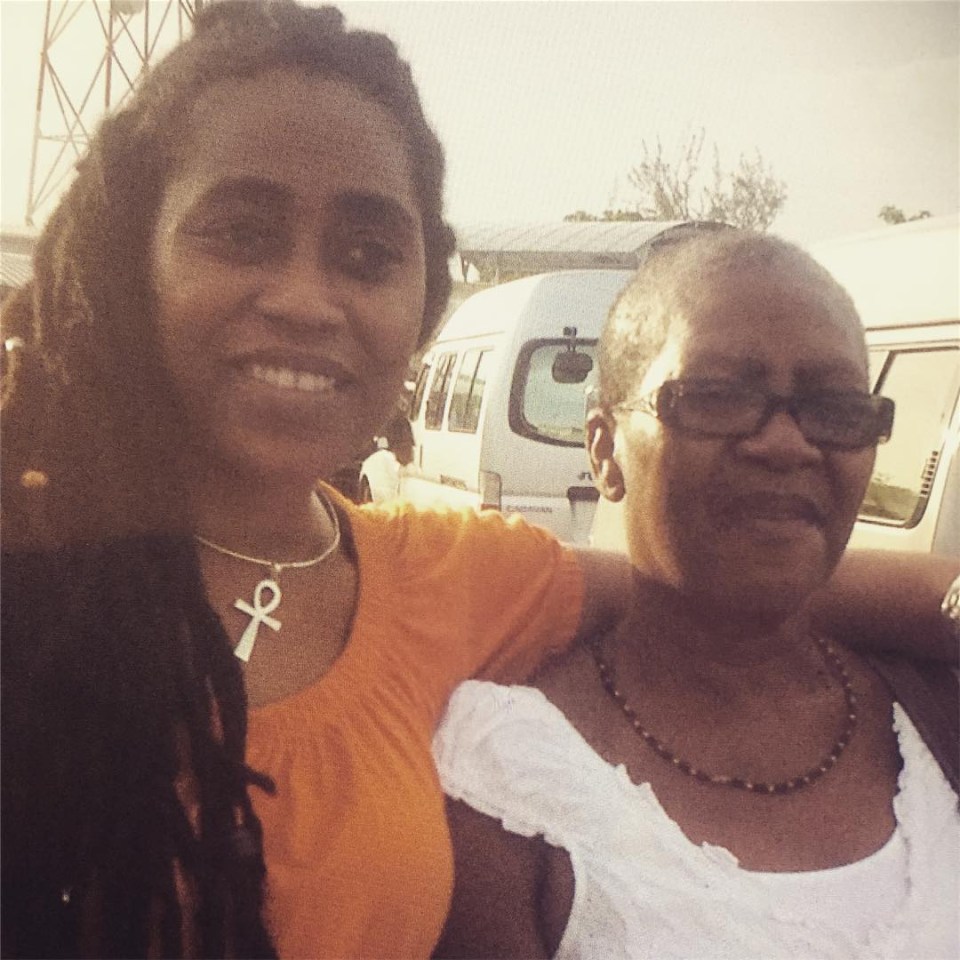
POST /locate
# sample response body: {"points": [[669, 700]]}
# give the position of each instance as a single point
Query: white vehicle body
{"points": [[491, 426], [905, 282]]}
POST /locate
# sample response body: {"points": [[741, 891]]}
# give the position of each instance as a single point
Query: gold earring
{"points": [[33, 479], [12, 350]]}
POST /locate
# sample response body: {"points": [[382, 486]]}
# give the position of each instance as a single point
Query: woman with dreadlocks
{"points": [[224, 308], [219, 683]]}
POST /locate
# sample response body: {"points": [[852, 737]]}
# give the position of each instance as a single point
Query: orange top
{"points": [[357, 848]]}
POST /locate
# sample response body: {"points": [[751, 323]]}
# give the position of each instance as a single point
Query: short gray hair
{"points": [[668, 285]]}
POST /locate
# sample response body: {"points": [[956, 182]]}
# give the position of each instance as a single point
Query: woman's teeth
{"points": [[287, 379]]}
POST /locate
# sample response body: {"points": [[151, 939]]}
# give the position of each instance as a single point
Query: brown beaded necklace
{"points": [[836, 667]]}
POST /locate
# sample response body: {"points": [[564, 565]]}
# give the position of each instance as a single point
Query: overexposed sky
{"points": [[543, 105]]}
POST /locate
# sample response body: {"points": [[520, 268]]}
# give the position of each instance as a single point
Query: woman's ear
{"points": [[607, 474]]}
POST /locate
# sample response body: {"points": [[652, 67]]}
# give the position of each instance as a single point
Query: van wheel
{"points": [[364, 495]]}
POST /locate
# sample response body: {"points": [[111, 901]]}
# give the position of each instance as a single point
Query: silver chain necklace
{"points": [[263, 606]]}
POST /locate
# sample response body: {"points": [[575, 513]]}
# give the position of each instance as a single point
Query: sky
{"points": [[544, 106]]}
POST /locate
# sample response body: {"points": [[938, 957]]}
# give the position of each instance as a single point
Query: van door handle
{"points": [[583, 494]]}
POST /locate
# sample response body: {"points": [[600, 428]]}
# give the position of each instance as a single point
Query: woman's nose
{"points": [[781, 444], [303, 290]]}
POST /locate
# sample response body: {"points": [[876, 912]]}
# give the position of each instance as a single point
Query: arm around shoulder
{"points": [[890, 600], [608, 586]]}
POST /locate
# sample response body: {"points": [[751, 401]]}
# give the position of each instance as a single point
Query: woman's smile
{"points": [[286, 392], [285, 378], [296, 398], [294, 373]]}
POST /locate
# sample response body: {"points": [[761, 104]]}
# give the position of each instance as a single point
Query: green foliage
{"points": [[894, 215]]}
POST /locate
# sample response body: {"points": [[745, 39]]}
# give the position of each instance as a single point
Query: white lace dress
{"points": [[643, 890]]}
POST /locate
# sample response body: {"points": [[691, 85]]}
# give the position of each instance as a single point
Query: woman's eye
{"points": [[242, 240], [718, 398], [369, 258]]}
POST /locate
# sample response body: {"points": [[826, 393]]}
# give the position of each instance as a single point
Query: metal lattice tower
{"points": [[72, 97]]}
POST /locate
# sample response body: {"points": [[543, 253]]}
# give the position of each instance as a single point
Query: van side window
{"points": [[418, 391], [923, 385], [437, 398], [468, 392]]}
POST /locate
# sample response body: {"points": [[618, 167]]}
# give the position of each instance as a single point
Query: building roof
{"points": [[16, 255], [15, 269], [537, 248], [18, 239]]}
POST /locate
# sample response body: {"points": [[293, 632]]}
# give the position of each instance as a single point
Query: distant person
{"points": [[398, 435], [714, 777]]}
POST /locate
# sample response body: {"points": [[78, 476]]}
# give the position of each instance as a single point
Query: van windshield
{"points": [[543, 407]]}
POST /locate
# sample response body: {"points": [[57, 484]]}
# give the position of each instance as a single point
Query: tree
{"points": [[893, 215], [747, 196]]}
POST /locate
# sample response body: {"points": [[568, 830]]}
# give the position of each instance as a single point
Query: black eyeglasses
{"points": [[841, 419]]}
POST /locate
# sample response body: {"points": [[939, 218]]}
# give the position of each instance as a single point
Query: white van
{"points": [[905, 281], [497, 419]]}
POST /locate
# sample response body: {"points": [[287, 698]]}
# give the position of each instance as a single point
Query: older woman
{"points": [[714, 778]]}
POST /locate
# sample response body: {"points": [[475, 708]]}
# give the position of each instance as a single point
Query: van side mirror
{"points": [[571, 366]]}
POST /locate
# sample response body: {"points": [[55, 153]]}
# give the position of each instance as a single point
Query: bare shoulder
{"points": [[570, 683], [497, 891]]}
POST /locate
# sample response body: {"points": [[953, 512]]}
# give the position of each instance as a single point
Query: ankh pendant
{"points": [[258, 613]]}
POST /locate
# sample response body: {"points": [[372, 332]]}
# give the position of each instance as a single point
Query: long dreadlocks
{"points": [[118, 682]]}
